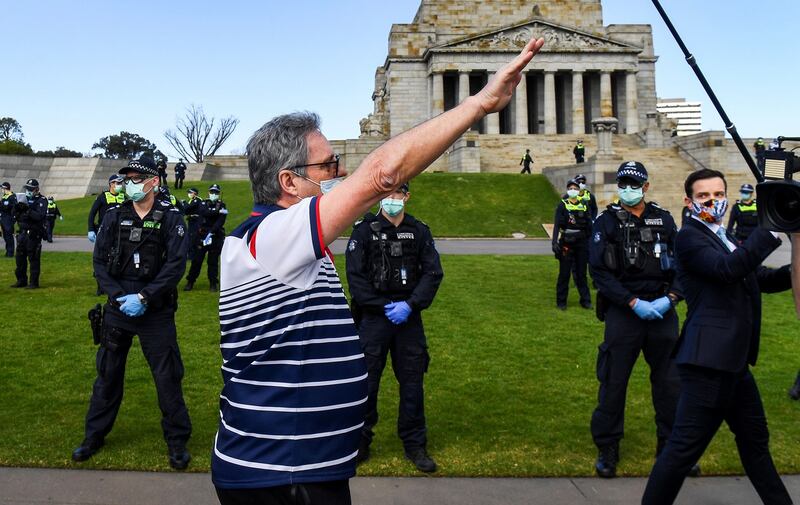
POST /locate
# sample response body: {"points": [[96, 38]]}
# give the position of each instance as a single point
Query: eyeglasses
{"points": [[629, 184], [137, 179], [334, 162]]}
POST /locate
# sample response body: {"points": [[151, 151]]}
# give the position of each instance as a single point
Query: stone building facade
{"points": [[585, 71]]}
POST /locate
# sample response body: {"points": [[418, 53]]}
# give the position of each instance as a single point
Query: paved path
{"points": [[86, 487], [444, 245]]}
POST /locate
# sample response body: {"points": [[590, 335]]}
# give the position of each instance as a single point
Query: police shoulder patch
{"points": [[597, 237], [351, 246], [180, 230]]}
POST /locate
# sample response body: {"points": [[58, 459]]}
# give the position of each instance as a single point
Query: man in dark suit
{"points": [[722, 283]]}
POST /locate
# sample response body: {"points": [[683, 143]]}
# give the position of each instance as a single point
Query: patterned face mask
{"points": [[710, 211]]}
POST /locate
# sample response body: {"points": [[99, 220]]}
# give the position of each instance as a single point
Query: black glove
{"points": [[556, 248]]}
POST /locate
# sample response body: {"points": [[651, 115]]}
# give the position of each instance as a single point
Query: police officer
{"points": [[579, 152], [165, 195], [526, 161], [105, 201], [586, 196], [139, 257], [191, 209], [631, 260], [162, 172], [744, 215], [571, 245], [30, 217], [180, 173], [393, 271], [7, 205], [209, 239], [759, 146], [53, 212]]}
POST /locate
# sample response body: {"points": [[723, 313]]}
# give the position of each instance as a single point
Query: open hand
{"points": [[498, 92]]}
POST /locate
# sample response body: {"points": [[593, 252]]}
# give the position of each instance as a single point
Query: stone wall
{"points": [[408, 100]]}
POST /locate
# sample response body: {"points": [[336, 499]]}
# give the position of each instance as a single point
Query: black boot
{"points": [[87, 449], [179, 457], [189, 285], [421, 460], [607, 459], [213, 286], [794, 392], [20, 284]]}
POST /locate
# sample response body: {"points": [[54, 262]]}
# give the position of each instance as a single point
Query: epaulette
{"points": [[368, 217], [656, 206]]}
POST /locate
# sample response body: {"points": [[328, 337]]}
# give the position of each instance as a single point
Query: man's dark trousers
{"points": [[574, 262], [29, 249], [214, 250], [179, 181], [626, 335], [158, 338], [707, 398], [407, 345], [7, 224]]}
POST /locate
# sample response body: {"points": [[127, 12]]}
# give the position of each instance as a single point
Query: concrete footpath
{"points": [[87, 487], [500, 246]]}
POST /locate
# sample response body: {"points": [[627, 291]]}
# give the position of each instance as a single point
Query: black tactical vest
{"points": [[393, 255], [139, 248]]}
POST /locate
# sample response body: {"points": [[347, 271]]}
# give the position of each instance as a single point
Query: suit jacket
{"points": [[723, 293]]}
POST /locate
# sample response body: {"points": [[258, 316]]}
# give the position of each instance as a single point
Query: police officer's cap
{"points": [[194, 190], [580, 178], [403, 187], [572, 182], [5, 185], [32, 184], [747, 188], [214, 188], [632, 170], [115, 178], [144, 165]]}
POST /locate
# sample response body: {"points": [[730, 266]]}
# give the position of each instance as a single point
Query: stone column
{"points": [[437, 104], [549, 103], [463, 86], [606, 107], [493, 119], [521, 106], [631, 103], [605, 127], [578, 124]]}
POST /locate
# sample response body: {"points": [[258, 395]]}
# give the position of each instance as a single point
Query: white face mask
{"points": [[582, 186], [572, 193]]}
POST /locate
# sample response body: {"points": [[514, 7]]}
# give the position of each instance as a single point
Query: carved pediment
{"points": [[558, 39]]}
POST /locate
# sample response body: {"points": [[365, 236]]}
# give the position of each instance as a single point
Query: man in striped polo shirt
{"points": [[292, 403]]}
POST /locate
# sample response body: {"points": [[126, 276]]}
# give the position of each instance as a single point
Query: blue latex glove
{"points": [[131, 306], [646, 310], [397, 312], [662, 305], [92, 236]]}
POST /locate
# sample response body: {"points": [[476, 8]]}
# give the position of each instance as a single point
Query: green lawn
{"points": [[510, 390], [453, 205]]}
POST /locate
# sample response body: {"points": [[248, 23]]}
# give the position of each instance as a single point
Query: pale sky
{"points": [[74, 72]]}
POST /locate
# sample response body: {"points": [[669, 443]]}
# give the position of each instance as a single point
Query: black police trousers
{"points": [[336, 492], [179, 180], [7, 225], [707, 398], [407, 345], [214, 251], [158, 338], [192, 230], [29, 250], [51, 225], [575, 263], [626, 335]]}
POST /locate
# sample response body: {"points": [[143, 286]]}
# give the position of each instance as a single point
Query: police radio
{"points": [[779, 194]]}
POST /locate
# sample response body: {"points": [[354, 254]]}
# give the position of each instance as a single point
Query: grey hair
{"points": [[279, 144]]}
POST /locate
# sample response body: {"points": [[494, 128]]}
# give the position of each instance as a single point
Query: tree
{"points": [[60, 152], [128, 146], [10, 129], [10, 146], [196, 138]]}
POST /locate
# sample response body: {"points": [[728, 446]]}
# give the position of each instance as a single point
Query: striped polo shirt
{"points": [[295, 381]]}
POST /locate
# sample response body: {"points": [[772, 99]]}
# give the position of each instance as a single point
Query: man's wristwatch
{"points": [[142, 298]]}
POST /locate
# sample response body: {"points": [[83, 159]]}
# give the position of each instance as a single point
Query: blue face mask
{"points": [[630, 196], [29, 194], [392, 207], [745, 196], [572, 193], [327, 185], [134, 191], [213, 197]]}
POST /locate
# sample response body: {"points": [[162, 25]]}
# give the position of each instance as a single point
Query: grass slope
{"points": [[510, 390], [453, 205]]}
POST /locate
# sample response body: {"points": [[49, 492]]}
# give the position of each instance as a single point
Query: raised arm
{"points": [[796, 271], [406, 155]]}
